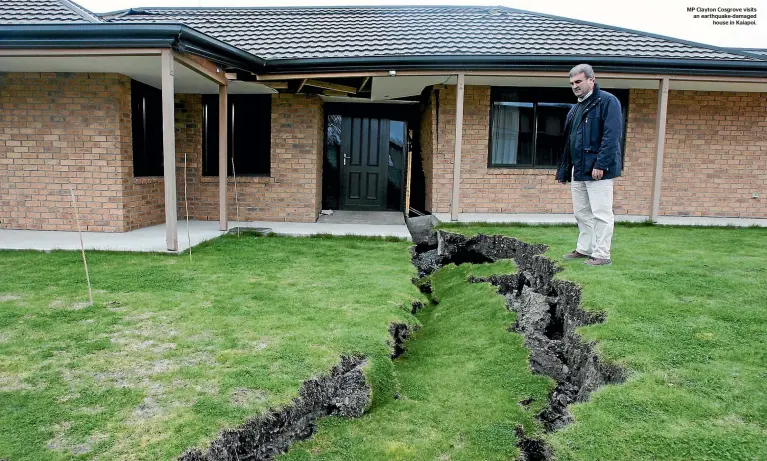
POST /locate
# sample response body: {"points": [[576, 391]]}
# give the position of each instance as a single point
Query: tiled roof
{"points": [[758, 51], [335, 32], [43, 12]]}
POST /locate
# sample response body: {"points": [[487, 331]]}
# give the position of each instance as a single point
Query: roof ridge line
{"points": [[327, 7], [80, 10]]}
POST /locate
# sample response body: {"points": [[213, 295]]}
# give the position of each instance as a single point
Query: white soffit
{"points": [[385, 88], [482, 80], [145, 69], [627, 83], [402, 87]]}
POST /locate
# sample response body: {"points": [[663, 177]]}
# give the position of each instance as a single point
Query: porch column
{"points": [[458, 142], [223, 107], [169, 150], [660, 141]]}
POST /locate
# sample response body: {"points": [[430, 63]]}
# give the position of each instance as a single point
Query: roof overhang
{"points": [[756, 67], [135, 36], [404, 84], [191, 74]]}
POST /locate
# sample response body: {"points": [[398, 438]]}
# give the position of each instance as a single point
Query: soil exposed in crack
{"points": [[548, 313], [400, 333], [344, 392]]}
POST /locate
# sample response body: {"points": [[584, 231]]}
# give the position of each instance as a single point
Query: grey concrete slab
{"points": [[152, 239], [306, 229], [363, 217], [147, 239]]}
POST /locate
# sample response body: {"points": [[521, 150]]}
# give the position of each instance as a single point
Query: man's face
{"points": [[581, 85]]}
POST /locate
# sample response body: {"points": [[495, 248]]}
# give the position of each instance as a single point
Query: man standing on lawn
{"points": [[591, 159]]}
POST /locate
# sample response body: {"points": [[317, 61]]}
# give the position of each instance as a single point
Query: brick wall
{"points": [[716, 154], [483, 189], [633, 190], [428, 143], [61, 129], [293, 192], [701, 176], [58, 130]]}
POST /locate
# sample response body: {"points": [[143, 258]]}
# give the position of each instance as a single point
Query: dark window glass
{"points": [[528, 125], [210, 135], [146, 115], [550, 134], [331, 174], [248, 138]]}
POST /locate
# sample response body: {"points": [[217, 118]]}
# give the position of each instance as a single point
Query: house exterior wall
{"points": [[62, 129], [716, 155], [715, 159], [58, 129], [428, 143], [292, 192]]}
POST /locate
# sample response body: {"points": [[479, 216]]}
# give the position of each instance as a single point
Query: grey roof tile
{"points": [[309, 32], [43, 12]]}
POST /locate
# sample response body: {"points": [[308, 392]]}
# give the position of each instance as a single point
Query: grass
{"points": [[173, 351], [460, 383], [687, 316]]}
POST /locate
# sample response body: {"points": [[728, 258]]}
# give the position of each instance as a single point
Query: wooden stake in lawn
{"points": [[236, 199], [186, 206], [407, 183], [82, 247]]}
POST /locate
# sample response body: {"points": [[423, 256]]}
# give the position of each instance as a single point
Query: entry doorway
{"points": [[364, 165]]}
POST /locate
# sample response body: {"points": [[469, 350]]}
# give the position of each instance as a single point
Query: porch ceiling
{"points": [[404, 86], [145, 69]]}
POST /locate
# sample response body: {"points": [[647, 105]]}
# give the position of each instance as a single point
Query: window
{"points": [[527, 125], [146, 107], [248, 138]]}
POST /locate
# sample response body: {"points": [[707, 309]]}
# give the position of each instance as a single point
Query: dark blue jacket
{"points": [[598, 139]]}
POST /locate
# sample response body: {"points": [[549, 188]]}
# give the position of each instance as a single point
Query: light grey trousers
{"points": [[593, 207]]}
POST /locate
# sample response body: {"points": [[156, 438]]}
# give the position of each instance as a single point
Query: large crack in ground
{"points": [[548, 313], [344, 392]]}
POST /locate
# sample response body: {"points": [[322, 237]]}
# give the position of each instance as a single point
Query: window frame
{"points": [[211, 100], [536, 95]]}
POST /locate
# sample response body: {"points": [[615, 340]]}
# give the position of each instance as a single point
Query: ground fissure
{"points": [[344, 392], [548, 314]]}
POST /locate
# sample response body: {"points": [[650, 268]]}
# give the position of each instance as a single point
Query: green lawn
{"points": [[173, 350], [687, 315], [461, 382]]}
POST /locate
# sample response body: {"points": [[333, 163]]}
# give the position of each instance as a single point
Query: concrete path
{"points": [[152, 239], [392, 218], [373, 224]]}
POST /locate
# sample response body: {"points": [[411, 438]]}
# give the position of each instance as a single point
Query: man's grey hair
{"points": [[582, 69]]}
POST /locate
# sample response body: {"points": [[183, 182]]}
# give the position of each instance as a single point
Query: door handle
{"points": [[346, 157]]}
